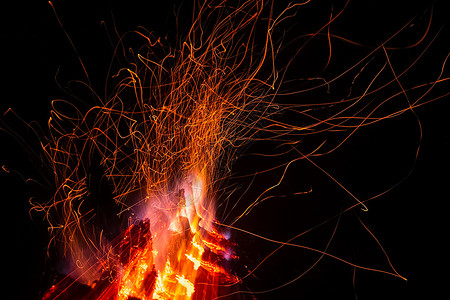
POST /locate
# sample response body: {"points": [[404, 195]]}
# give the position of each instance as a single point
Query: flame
{"points": [[166, 264]]}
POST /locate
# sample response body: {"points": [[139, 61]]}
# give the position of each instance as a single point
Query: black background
{"points": [[411, 221]]}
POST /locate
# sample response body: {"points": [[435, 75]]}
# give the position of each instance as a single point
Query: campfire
{"points": [[145, 201]]}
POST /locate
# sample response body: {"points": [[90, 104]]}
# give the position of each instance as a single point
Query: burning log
{"points": [[193, 269]]}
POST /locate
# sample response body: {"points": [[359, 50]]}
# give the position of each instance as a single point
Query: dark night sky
{"points": [[410, 221]]}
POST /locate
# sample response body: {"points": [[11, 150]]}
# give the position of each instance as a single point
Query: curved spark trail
{"points": [[156, 183]]}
